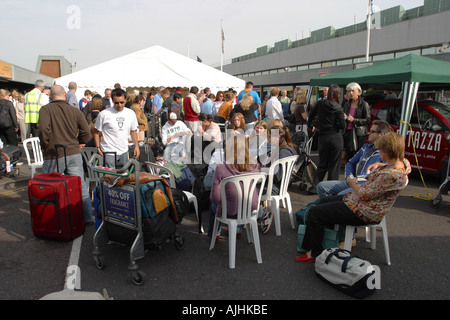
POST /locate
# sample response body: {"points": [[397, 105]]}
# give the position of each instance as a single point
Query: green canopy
{"points": [[409, 71], [410, 68]]}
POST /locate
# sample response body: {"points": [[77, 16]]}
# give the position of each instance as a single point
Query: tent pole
{"points": [[408, 100]]}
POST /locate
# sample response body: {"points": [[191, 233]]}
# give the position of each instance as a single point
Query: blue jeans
{"points": [[110, 160], [74, 168], [331, 188]]}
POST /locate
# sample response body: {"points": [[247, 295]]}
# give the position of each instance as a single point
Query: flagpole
{"points": [[368, 30], [221, 51]]}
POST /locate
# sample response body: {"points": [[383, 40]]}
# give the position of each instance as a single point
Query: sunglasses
{"points": [[373, 131]]}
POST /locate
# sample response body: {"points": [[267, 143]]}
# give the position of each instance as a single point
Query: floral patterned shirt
{"points": [[378, 194]]}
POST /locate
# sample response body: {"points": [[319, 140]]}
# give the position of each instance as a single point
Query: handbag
{"points": [[330, 236]]}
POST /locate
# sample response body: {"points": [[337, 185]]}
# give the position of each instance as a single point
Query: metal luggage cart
{"points": [[122, 210], [443, 188]]}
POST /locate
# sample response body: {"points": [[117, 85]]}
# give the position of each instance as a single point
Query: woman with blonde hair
{"points": [[367, 204], [281, 147], [248, 108], [238, 160], [357, 116], [298, 109]]}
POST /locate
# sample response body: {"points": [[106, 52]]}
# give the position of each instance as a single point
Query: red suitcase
{"points": [[56, 206]]}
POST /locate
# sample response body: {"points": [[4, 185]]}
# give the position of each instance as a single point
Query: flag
{"points": [[223, 40], [199, 60], [375, 17]]}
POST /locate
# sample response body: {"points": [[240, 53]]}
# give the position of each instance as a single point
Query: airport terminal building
{"points": [[424, 30]]}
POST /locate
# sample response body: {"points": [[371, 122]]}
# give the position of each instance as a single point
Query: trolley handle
{"points": [[122, 172]]}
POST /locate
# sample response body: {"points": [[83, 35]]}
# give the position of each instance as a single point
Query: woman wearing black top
{"points": [[329, 123], [247, 106], [357, 115]]}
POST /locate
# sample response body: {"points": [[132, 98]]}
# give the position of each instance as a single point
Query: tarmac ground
{"points": [[419, 241]]}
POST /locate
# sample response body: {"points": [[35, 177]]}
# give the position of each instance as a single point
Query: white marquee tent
{"points": [[151, 67]]}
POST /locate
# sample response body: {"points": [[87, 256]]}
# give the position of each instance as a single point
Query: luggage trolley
{"points": [[120, 208]]}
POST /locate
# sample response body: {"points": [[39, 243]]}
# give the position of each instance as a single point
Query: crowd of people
{"points": [[237, 123]]}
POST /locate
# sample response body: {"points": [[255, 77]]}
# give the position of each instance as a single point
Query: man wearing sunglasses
{"points": [[357, 166], [116, 124]]}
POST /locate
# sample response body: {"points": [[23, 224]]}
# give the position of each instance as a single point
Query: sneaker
{"points": [[266, 222]]}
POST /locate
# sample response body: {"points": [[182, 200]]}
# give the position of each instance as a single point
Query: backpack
{"points": [[185, 181], [5, 117], [182, 204]]}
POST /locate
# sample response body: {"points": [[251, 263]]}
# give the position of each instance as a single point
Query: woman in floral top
{"points": [[367, 204]]}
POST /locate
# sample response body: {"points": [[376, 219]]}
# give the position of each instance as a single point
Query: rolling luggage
{"points": [[56, 205]]}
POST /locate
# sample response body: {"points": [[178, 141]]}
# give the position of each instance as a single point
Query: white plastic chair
{"points": [[91, 176], [37, 160], [245, 185], [286, 165], [156, 170], [371, 233]]}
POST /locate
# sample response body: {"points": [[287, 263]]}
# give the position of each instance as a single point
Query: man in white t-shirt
{"points": [[173, 135], [116, 124]]}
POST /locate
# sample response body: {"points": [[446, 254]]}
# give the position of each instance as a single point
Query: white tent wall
{"points": [[151, 67]]}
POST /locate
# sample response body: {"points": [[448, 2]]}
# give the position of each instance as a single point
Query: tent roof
{"points": [[408, 68], [152, 67]]}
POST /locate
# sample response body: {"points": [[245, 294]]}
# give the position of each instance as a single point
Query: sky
{"points": [[91, 32]]}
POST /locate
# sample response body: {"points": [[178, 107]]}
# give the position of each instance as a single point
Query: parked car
{"points": [[430, 122]]}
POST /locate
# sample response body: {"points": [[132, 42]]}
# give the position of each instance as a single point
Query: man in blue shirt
{"points": [[208, 106], [249, 89], [159, 99], [358, 164]]}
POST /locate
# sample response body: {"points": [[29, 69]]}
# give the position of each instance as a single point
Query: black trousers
{"points": [[330, 153], [9, 136], [330, 211]]}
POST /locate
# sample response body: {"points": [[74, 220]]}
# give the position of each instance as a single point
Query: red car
{"points": [[430, 122]]}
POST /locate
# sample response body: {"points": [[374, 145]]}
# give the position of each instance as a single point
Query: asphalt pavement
{"points": [[419, 241]]}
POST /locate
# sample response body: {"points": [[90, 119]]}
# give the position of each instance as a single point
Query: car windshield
{"points": [[439, 107]]}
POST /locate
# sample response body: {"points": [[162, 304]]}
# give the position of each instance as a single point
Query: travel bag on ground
{"points": [[56, 206], [9, 155], [185, 181], [330, 236], [347, 273], [182, 204]]}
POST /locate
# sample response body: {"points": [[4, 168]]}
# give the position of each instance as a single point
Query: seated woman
{"points": [[258, 139], [281, 145], [210, 135], [367, 204], [237, 160], [209, 129], [238, 125]]}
